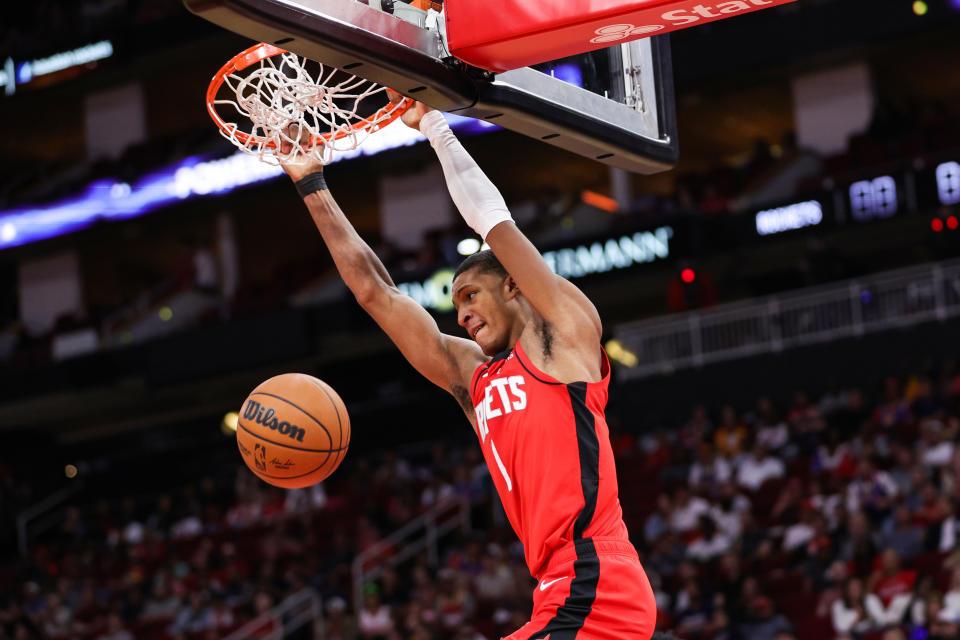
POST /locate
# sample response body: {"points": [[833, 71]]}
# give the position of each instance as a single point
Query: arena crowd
{"points": [[834, 517]]}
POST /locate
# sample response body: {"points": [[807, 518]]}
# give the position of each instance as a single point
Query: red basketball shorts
{"points": [[594, 589]]}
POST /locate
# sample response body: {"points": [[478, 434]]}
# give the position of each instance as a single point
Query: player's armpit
{"points": [[560, 302], [446, 361]]}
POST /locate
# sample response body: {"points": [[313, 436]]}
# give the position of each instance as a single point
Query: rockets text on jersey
{"points": [[501, 396]]}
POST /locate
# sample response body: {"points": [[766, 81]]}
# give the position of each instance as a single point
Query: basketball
{"points": [[293, 431]]}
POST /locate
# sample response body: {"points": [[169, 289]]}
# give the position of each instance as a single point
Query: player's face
{"points": [[483, 308]]}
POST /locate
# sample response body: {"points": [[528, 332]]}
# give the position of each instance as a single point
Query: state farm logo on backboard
{"points": [[614, 32], [679, 18]]}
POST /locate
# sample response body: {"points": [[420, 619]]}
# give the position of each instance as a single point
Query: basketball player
{"points": [[532, 380]]}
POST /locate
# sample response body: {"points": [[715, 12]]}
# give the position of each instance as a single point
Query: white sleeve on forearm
{"points": [[479, 202]]}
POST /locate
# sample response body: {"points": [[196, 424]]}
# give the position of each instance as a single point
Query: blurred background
{"points": [[781, 308]]}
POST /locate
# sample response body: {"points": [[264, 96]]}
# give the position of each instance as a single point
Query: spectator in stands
{"points": [[196, 617], [436, 492], [709, 471], [392, 593], [901, 535], [730, 435], [338, 625], [831, 587], [754, 539], [800, 533], [804, 417], [757, 467], [951, 600], [657, 451], [924, 400], [658, 522], [693, 610], [115, 629], [697, 429], [931, 512], [771, 431], [729, 581], [764, 623], [859, 547], [728, 509], [687, 509], [936, 623], [710, 544], [849, 612], [828, 504], [833, 400], [947, 534], [455, 603], [894, 411], [494, 584], [376, 622], [789, 503], [892, 588], [902, 471], [872, 491], [833, 456], [935, 449], [56, 618]]}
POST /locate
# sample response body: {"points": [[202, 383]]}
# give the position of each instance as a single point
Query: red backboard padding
{"points": [[508, 34]]}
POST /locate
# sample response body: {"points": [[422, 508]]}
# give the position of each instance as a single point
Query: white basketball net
{"points": [[274, 96]]}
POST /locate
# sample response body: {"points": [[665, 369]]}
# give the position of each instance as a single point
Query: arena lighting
{"points": [[229, 423], [920, 8], [937, 225], [575, 262], [468, 246], [24, 72], [70, 471], [688, 275], [599, 201], [165, 313], [788, 218], [948, 182], [618, 353], [192, 177], [952, 223]]}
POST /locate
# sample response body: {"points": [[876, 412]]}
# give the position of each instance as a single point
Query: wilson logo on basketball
{"points": [[266, 416]]}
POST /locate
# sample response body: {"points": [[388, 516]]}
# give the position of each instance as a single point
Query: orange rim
{"points": [[262, 51]]}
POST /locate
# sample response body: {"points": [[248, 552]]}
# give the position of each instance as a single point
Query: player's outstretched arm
{"points": [[559, 302], [445, 360]]}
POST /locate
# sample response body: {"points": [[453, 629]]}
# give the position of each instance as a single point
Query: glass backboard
{"points": [[613, 105]]}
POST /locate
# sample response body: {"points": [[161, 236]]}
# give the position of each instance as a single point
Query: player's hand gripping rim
{"points": [[296, 137], [412, 116]]}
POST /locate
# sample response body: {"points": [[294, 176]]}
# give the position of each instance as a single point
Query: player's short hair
{"points": [[483, 260]]}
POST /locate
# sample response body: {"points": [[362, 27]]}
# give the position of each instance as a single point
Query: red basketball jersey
{"points": [[548, 449]]}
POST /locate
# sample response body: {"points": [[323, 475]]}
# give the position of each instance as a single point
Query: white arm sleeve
{"points": [[479, 202]]}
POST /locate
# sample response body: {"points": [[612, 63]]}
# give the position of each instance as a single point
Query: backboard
{"points": [[613, 105]]}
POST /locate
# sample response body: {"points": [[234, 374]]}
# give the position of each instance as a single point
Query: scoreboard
{"points": [[923, 188]]}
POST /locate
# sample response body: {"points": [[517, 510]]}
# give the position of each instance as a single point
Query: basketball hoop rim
{"points": [[261, 51]]}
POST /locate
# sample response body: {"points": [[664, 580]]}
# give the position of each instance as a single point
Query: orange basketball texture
{"points": [[293, 430]]}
